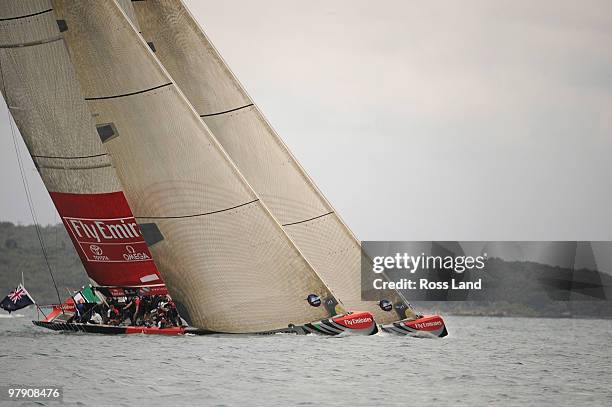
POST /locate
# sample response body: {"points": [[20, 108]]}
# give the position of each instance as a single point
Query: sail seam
{"points": [[129, 94], [26, 16], [29, 44], [226, 111], [69, 158], [197, 214], [307, 220]]}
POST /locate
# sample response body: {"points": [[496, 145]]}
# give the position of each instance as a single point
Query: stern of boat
{"points": [[424, 326], [353, 323]]}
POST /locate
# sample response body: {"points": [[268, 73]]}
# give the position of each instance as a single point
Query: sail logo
{"points": [[97, 252], [101, 230], [423, 325], [132, 255], [108, 240], [358, 321]]}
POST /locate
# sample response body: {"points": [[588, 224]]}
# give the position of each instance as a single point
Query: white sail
{"points": [[222, 254], [38, 80], [260, 154], [40, 87], [128, 9]]}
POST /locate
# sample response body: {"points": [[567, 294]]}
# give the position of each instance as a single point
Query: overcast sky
{"points": [[446, 120]]}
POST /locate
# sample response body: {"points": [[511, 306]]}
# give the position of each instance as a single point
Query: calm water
{"points": [[505, 361]]}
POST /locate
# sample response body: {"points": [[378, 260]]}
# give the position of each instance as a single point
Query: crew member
{"points": [[79, 310]]}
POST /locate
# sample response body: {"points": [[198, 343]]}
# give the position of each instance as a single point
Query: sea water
{"points": [[483, 361]]}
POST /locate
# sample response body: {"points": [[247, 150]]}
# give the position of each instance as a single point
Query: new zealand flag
{"points": [[18, 298]]}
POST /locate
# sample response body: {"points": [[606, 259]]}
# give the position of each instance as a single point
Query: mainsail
{"points": [[44, 97], [259, 153], [222, 254]]}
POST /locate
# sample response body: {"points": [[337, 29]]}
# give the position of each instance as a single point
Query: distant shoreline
{"points": [[20, 252]]}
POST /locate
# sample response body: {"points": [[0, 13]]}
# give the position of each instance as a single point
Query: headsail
{"points": [[40, 87], [220, 251], [259, 153]]}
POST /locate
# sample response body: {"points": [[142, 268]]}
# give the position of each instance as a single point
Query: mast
{"points": [[226, 261], [259, 153], [44, 97]]}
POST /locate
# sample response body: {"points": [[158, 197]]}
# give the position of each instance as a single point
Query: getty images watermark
{"points": [[424, 264], [527, 272]]}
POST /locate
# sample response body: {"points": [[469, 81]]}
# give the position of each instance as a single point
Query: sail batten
{"points": [[198, 214], [70, 158], [18, 10], [32, 43], [227, 111], [259, 153], [27, 15], [127, 94], [307, 220]]}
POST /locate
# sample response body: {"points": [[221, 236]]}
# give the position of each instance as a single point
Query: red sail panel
{"points": [[107, 238]]}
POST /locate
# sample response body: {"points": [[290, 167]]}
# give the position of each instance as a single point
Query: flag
{"points": [[18, 298], [88, 296]]}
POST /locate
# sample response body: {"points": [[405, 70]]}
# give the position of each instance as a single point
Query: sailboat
{"points": [[266, 162], [112, 135], [207, 230]]}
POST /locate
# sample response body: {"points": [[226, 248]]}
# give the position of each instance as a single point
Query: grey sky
{"points": [[472, 120]]}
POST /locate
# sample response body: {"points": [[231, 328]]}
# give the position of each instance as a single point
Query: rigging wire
{"points": [[26, 187]]}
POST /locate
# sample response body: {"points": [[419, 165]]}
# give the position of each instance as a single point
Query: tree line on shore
{"points": [[20, 252]]}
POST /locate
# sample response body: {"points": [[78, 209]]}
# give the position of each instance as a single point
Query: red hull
{"points": [[354, 323], [154, 331], [109, 329], [430, 325]]}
